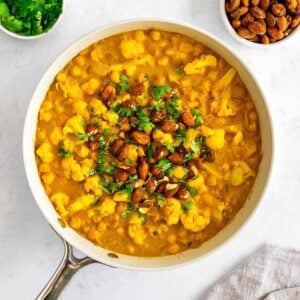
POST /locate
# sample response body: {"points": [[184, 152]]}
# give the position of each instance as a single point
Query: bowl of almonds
{"points": [[261, 22]]}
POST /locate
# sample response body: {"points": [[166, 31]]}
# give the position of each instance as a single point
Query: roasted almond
{"points": [[93, 145], [160, 153], [291, 5], [91, 129], [143, 169], [257, 12], [245, 3], [137, 89], [270, 19], [137, 195], [278, 9], [193, 168], [182, 194], [255, 2], [141, 138], [246, 33], [176, 159], [275, 33], [161, 187], [234, 4], [265, 39], [239, 12], [258, 27], [150, 185], [124, 124], [264, 4], [132, 171], [247, 19], [282, 23], [169, 126], [188, 119], [157, 116], [123, 153], [108, 93], [117, 145], [295, 22], [171, 189], [121, 175]]}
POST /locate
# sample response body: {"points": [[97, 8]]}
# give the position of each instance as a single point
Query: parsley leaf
{"points": [[123, 85], [164, 164], [187, 206], [62, 152], [160, 200], [171, 107], [198, 117], [159, 91]]}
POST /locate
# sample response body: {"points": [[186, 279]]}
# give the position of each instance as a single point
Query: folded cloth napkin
{"points": [[272, 273]]}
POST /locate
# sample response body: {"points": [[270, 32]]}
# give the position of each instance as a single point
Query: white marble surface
{"points": [[30, 251]]}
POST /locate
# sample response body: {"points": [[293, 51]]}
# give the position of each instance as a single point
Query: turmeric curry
{"points": [[147, 143]]}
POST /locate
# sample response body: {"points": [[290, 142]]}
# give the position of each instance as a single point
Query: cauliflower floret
{"points": [[195, 220], [97, 107], [238, 138], [217, 213], [191, 135], [163, 138], [92, 86], [239, 173], [72, 169], [92, 184], [172, 211], [82, 202], [198, 183], [137, 232], [107, 207], [60, 200], [178, 172], [56, 135], [198, 65], [79, 106], [131, 48], [74, 125], [82, 151], [225, 81], [45, 152], [215, 138]]}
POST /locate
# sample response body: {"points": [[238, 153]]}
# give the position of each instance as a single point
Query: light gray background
{"points": [[30, 251]]}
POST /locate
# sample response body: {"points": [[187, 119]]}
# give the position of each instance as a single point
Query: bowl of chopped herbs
{"points": [[29, 19]]}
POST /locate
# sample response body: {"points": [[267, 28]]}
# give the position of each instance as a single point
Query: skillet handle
{"points": [[68, 266]]}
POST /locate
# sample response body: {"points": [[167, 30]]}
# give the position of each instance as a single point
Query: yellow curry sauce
{"points": [[147, 143]]}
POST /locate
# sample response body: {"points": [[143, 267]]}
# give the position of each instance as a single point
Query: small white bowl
{"points": [[245, 41], [33, 37]]}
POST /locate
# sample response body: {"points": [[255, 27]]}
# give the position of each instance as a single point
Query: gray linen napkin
{"points": [[271, 273]]}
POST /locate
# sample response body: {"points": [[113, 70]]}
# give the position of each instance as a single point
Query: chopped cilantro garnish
{"points": [[187, 206], [143, 122], [128, 189], [180, 137], [198, 117], [62, 152], [111, 187], [81, 136], [125, 112], [188, 156], [128, 161], [106, 132], [172, 107], [158, 106], [150, 150], [123, 85], [179, 71], [159, 91], [164, 164], [192, 191], [132, 178], [160, 200], [195, 147], [129, 209], [170, 147], [96, 200], [92, 171]]}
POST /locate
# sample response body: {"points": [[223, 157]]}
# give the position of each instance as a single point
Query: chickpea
{"points": [[131, 249], [75, 71], [155, 35], [173, 248], [101, 226], [48, 178], [171, 238], [80, 60], [164, 61], [120, 230], [139, 36], [252, 115]]}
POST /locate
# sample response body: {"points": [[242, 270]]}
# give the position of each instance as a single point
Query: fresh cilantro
{"points": [[164, 164], [192, 191], [143, 217], [188, 156], [198, 117], [160, 200], [125, 112], [132, 178], [92, 171], [29, 17], [170, 147], [172, 107], [179, 71], [106, 132], [129, 209], [128, 161], [128, 189], [180, 137], [62, 152], [195, 147], [187, 206], [158, 106], [81, 136], [96, 200], [111, 188], [143, 122], [150, 150], [123, 85], [159, 91]]}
